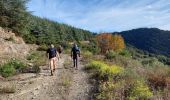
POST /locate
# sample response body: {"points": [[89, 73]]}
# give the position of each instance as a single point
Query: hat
{"points": [[52, 46]]}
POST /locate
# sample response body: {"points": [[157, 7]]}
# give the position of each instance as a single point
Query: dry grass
{"points": [[8, 89], [66, 75], [67, 64], [66, 81]]}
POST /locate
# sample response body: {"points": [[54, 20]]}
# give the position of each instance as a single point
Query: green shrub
{"points": [[29, 38], [36, 69], [92, 47], [10, 68], [110, 55], [114, 69], [110, 91], [18, 65], [67, 51], [125, 53], [149, 61], [7, 70], [37, 57], [42, 47], [87, 55], [131, 73], [33, 56], [140, 91], [105, 72], [95, 65]]}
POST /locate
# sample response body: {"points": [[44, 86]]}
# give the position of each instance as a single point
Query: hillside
{"points": [[149, 39], [36, 30], [12, 46]]}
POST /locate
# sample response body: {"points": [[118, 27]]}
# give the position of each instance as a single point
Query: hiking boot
{"points": [[76, 68], [51, 73]]}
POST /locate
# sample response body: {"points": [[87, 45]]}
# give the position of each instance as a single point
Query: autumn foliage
{"points": [[118, 42], [107, 41]]}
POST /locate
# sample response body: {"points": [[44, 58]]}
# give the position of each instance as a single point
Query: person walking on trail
{"points": [[60, 49], [75, 53], [52, 53]]}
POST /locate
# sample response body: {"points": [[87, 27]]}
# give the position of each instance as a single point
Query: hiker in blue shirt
{"points": [[75, 53]]}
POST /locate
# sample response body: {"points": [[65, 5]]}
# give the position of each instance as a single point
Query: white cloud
{"points": [[106, 15]]}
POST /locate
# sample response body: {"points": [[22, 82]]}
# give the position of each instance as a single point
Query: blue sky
{"points": [[105, 15]]}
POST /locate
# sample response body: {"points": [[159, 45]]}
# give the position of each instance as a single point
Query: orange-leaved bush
{"points": [[107, 42]]}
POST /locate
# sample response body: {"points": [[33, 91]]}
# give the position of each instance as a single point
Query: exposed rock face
{"points": [[12, 46]]}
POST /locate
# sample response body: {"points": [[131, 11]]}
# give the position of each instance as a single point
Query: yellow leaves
{"points": [[140, 90], [118, 42], [103, 68], [114, 69], [87, 54], [96, 65], [108, 41]]}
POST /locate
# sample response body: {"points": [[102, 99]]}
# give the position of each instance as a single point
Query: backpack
{"points": [[75, 50], [52, 52], [60, 50]]}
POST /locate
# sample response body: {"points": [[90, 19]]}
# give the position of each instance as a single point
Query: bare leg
{"points": [[54, 63], [60, 55], [51, 66]]}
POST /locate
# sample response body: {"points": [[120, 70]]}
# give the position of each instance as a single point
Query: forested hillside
{"points": [[149, 39], [14, 16]]}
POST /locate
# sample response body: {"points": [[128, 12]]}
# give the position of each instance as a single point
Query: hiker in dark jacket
{"points": [[52, 54], [75, 53], [60, 49]]}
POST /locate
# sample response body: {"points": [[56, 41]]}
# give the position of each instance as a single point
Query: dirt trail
{"points": [[66, 84], [80, 88]]}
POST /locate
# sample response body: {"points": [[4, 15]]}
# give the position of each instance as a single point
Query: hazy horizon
{"points": [[105, 15]]}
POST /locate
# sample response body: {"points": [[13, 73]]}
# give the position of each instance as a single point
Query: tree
{"points": [[107, 42], [118, 43], [13, 15]]}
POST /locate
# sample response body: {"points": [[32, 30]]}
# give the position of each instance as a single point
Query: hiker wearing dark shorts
{"points": [[75, 52], [52, 53]]}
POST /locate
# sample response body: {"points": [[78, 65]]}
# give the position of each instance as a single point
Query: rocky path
{"points": [[66, 84], [80, 88]]}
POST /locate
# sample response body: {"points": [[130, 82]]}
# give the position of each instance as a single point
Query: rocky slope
{"points": [[12, 46]]}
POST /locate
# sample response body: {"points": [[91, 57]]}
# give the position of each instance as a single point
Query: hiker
{"points": [[75, 52], [60, 49], [52, 53]]}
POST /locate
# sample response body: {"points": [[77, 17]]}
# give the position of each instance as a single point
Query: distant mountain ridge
{"points": [[152, 40]]}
